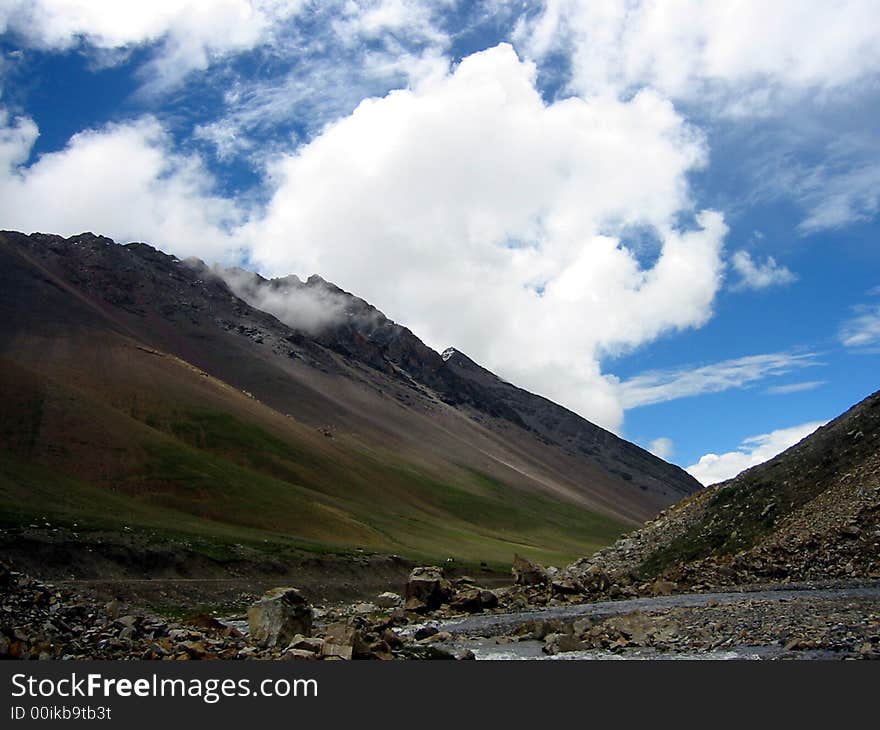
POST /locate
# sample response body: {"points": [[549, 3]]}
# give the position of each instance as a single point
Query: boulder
{"points": [[338, 651], [380, 650], [344, 640], [300, 654], [388, 600], [528, 573], [278, 617], [415, 605], [305, 643], [557, 643], [488, 599], [425, 651], [364, 608], [595, 579], [437, 638], [423, 632], [427, 586], [566, 586], [467, 601], [474, 600], [391, 639]]}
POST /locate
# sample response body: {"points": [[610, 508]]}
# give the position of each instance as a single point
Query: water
{"points": [[502, 624], [481, 633]]}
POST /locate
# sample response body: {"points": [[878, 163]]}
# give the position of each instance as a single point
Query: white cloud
{"points": [[754, 275], [811, 67], [863, 329], [829, 171], [417, 202], [377, 18], [714, 468], [489, 219], [662, 447], [795, 387], [745, 55], [191, 33], [124, 181], [659, 386], [838, 198], [322, 68], [17, 137], [308, 306]]}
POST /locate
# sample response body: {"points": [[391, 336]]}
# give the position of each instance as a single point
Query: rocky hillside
{"points": [[362, 333], [811, 513], [141, 390]]}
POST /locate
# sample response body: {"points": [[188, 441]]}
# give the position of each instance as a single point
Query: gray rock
{"points": [[428, 586], [528, 573], [388, 600], [279, 616]]}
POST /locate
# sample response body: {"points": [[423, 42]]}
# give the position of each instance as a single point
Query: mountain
{"points": [[362, 333], [811, 513], [146, 392]]}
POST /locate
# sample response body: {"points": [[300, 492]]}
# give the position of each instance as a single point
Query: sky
{"points": [[662, 215]]}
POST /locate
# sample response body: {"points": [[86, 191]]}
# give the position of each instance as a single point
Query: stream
{"points": [[486, 634]]}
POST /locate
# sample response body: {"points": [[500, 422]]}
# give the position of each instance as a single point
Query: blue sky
{"points": [[662, 215]]}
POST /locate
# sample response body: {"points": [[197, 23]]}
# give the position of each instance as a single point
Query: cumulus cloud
{"points": [[467, 206], [659, 386], [756, 275], [492, 220], [744, 55], [124, 180], [17, 137], [714, 468], [863, 329], [662, 447], [809, 67]]}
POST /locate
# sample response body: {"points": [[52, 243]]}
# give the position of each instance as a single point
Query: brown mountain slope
{"points": [[362, 334], [811, 513], [143, 390]]}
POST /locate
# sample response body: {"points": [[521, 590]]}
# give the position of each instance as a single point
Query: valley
{"points": [[174, 458]]}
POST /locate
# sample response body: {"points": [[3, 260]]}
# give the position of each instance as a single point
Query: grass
{"points": [[739, 514], [208, 475]]}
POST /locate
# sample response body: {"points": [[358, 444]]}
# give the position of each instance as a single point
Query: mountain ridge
{"points": [[811, 513], [351, 424], [454, 376]]}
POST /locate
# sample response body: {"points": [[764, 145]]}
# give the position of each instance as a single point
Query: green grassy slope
{"points": [[164, 448]]}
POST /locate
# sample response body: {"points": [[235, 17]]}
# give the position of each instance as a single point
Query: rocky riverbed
{"points": [[439, 618], [762, 624]]}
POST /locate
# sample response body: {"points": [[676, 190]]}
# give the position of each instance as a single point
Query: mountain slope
{"points": [[361, 332], [811, 513], [143, 391]]}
